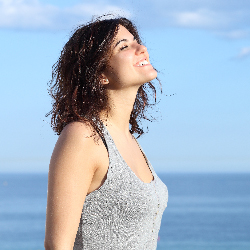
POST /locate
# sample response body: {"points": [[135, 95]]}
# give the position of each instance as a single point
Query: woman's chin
{"points": [[153, 75]]}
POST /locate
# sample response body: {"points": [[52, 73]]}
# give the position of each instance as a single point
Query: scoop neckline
{"points": [[146, 159]]}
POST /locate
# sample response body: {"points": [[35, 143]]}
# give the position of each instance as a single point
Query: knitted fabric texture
{"points": [[124, 213]]}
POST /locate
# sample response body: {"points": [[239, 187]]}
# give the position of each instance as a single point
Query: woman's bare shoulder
{"points": [[78, 140], [80, 133], [76, 128]]}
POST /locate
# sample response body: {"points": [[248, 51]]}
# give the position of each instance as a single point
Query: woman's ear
{"points": [[104, 79]]}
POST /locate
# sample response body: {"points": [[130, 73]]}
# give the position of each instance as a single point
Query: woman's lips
{"points": [[142, 62]]}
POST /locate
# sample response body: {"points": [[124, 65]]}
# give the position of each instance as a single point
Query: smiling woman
{"points": [[103, 193], [129, 62]]}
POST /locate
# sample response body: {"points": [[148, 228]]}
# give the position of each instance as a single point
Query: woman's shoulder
{"points": [[80, 133], [77, 144], [80, 138], [78, 128]]}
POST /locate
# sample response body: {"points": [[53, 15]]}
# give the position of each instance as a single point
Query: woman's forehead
{"points": [[122, 33]]}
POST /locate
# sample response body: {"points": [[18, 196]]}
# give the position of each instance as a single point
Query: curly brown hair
{"points": [[76, 88]]}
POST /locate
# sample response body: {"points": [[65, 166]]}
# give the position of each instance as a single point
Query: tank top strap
{"points": [[109, 144], [115, 159]]}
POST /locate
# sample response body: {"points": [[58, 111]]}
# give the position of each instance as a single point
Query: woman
{"points": [[102, 191]]}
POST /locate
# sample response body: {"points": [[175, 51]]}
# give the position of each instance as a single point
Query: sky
{"points": [[200, 48]]}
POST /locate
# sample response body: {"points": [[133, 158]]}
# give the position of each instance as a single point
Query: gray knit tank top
{"points": [[124, 213]]}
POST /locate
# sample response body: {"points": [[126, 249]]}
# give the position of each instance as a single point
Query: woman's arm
{"points": [[72, 167]]}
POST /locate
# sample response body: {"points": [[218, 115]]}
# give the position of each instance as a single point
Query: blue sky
{"points": [[201, 48]]}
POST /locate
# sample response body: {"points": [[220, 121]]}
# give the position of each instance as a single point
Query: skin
{"points": [[122, 71], [78, 164]]}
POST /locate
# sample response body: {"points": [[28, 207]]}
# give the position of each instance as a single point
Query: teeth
{"points": [[143, 63]]}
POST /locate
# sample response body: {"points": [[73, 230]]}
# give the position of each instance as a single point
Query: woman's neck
{"points": [[121, 104]]}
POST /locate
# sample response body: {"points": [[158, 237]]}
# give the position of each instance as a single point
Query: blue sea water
{"points": [[205, 211]]}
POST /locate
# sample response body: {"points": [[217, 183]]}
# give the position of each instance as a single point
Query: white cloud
{"points": [[219, 16], [201, 18], [244, 53], [31, 14], [234, 34], [230, 19]]}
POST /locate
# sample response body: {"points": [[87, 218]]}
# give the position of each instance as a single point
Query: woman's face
{"points": [[129, 63]]}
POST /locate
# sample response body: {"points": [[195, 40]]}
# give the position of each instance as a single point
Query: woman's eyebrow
{"points": [[123, 40]]}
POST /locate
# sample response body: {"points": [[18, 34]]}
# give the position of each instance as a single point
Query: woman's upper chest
{"points": [[129, 154], [135, 160]]}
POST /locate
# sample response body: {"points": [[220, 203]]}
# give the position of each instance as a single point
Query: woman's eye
{"points": [[123, 47]]}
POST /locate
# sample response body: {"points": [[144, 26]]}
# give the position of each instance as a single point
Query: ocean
{"points": [[205, 211]]}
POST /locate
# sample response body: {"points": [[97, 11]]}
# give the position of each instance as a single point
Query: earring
{"points": [[106, 80]]}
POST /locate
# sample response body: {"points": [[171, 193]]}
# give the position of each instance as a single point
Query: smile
{"points": [[142, 62]]}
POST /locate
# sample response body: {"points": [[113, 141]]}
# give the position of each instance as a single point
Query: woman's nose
{"points": [[141, 49]]}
